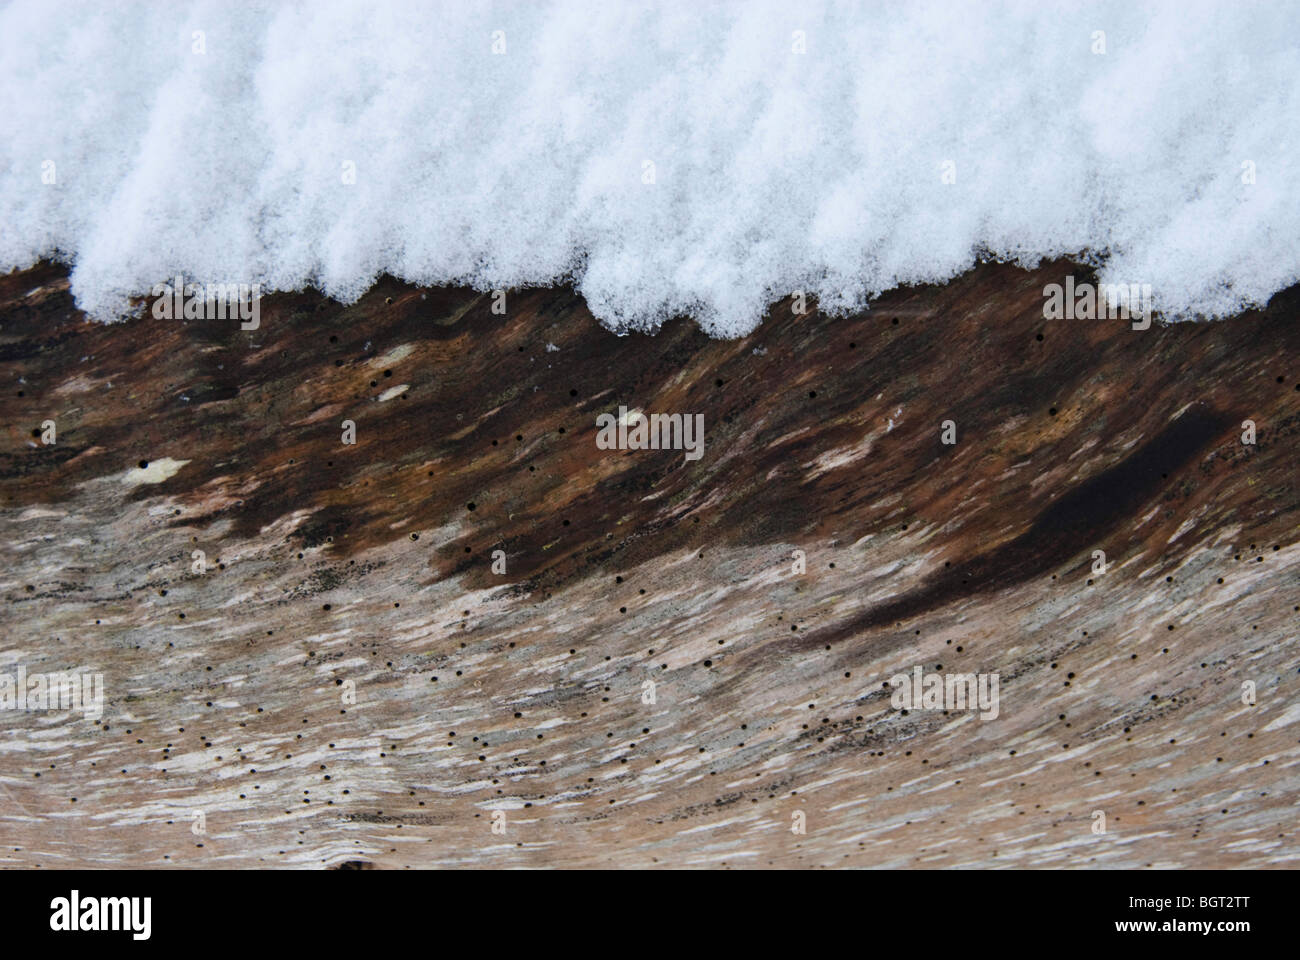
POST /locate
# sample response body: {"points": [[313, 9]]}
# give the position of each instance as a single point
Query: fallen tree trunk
{"points": [[473, 637]]}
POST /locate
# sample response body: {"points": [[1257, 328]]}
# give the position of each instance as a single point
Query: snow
{"points": [[667, 158]]}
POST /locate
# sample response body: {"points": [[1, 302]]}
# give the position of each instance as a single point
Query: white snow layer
{"points": [[667, 158]]}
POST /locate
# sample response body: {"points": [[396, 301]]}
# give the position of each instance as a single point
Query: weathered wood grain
{"points": [[523, 692]]}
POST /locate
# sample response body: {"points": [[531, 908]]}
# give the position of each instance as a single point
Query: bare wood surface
{"points": [[371, 565]]}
